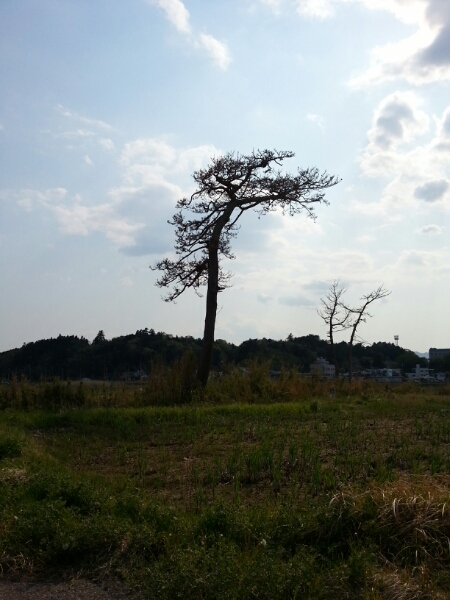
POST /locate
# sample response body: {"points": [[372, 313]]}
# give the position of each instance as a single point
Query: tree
{"points": [[359, 315], [334, 316], [99, 338], [207, 222], [339, 316]]}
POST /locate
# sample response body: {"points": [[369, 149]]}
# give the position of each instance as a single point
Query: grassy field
{"points": [[256, 489]]}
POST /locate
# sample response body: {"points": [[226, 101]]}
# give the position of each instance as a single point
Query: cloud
{"points": [[77, 133], [364, 239], [176, 13], [430, 230], [96, 123], [417, 173], [314, 8], [432, 190], [78, 219], [263, 298], [296, 301], [106, 143], [29, 199], [132, 216], [421, 58], [126, 281], [397, 120], [217, 51], [178, 16], [317, 119], [88, 161]]}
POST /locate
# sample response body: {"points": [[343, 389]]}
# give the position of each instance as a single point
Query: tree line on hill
{"points": [[73, 357]]}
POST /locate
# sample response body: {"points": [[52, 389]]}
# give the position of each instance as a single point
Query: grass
{"points": [[256, 489]]}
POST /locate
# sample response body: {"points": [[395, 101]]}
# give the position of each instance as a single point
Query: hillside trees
{"points": [[206, 223]]}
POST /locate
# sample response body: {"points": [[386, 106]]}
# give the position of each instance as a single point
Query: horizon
{"points": [[420, 354]]}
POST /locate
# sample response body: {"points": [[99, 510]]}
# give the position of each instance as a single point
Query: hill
{"points": [[73, 357]]}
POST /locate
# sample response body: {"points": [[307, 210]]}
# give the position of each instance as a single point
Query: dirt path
{"points": [[77, 589]]}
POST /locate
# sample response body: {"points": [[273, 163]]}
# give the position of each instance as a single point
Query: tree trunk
{"points": [[204, 366], [333, 350], [350, 362]]}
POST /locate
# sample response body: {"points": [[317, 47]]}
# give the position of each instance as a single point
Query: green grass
{"points": [[288, 489]]}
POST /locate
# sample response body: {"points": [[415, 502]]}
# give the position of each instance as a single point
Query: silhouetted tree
{"points": [[339, 316], [229, 186], [359, 315], [335, 317], [99, 338]]}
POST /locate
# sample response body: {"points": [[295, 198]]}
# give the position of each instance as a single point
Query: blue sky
{"points": [[108, 107]]}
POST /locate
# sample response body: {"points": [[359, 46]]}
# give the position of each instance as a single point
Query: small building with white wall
{"points": [[323, 368]]}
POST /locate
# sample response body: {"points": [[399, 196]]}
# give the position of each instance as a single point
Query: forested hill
{"points": [[72, 357]]}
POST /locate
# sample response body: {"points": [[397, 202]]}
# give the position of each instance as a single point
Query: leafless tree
{"points": [[335, 316], [339, 316], [207, 221], [359, 315]]}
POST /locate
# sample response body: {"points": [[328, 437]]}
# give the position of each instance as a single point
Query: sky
{"points": [[108, 107]]}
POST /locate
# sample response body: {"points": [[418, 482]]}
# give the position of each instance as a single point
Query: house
{"points": [[323, 368]]}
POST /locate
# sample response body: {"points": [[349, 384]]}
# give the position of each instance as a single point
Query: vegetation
{"points": [[70, 357], [207, 222], [258, 488], [339, 316]]}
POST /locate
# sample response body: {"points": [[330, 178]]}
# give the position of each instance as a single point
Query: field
{"points": [[255, 489]]}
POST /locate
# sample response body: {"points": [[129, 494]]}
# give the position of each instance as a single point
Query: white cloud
{"points": [[178, 15], [126, 281], [77, 219], [364, 239], [106, 143], [397, 120], [77, 133], [419, 175], [151, 157], [430, 230], [421, 58], [96, 123], [314, 8], [264, 298], [134, 215], [217, 51], [88, 161], [317, 119]]}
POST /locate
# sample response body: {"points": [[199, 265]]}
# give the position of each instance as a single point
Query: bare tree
{"points": [[335, 316], [359, 315], [229, 186], [339, 316]]}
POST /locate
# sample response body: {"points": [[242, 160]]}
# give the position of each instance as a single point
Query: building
{"points": [[421, 373], [323, 368], [435, 353]]}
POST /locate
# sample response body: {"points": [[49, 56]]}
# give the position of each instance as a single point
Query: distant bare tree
{"points": [[335, 316], [339, 316]]}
